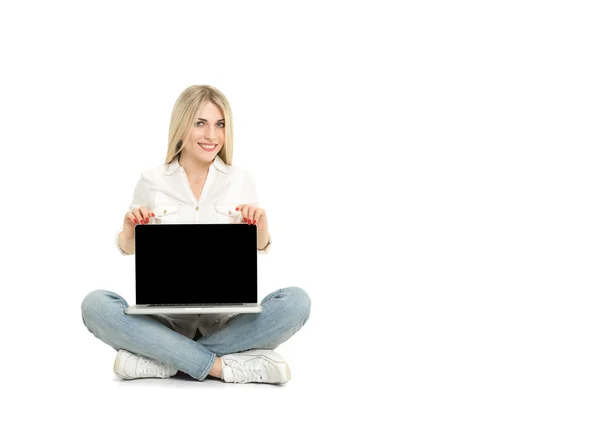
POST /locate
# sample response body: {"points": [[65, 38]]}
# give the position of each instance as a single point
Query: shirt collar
{"points": [[218, 163]]}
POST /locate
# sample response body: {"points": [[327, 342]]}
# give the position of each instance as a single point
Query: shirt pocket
{"points": [[167, 210], [225, 213], [166, 214]]}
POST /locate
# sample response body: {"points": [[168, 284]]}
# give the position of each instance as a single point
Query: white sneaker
{"points": [[260, 366], [132, 366]]}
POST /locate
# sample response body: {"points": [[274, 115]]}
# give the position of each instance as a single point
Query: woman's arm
{"points": [[127, 245], [262, 239], [258, 216], [138, 209], [254, 215]]}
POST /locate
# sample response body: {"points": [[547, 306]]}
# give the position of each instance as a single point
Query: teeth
{"points": [[209, 146]]}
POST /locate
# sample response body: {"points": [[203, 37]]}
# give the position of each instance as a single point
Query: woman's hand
{"points": [[253, 215], [139, 215]]}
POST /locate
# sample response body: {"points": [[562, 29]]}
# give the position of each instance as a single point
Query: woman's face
{"points": [[207, 136]]}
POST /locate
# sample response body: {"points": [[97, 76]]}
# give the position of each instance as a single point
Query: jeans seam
{"points": [[209, 366]]}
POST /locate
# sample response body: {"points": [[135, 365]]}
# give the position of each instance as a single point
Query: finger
{"points": [[150, 213], [244, 211], [130, 217], [138, 216], [257, 215], [145, 214], [251, 211], [239, 210]]}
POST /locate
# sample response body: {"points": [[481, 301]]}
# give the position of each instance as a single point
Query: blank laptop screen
{"points": [[195, 263]]}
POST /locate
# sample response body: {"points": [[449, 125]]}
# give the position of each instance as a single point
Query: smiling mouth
{"points": [[207, 146]]}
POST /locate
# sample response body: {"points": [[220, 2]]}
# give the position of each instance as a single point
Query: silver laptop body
{"points": [[195, 269]]}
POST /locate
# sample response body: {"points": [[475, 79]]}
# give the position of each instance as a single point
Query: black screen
{"points": [[195, 263]]}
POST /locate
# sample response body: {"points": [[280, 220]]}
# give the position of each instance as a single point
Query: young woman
{"points": [[198, 184]]}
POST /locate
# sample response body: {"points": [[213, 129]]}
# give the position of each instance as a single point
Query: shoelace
{"points": [[251, 372], [148, 366]]}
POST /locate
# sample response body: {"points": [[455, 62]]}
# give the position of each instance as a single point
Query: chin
{"points": [[207, 155]]}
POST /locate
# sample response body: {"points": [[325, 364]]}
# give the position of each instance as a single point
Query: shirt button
{"points": [[197, 208], [165, 211]]}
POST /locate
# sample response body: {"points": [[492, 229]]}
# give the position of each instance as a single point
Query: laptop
{"points": [[195, 269]]}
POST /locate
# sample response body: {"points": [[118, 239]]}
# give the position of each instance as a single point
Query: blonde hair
{"points": [[184, 116]]}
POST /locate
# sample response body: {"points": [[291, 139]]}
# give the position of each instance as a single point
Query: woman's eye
{"points": [[221, 124]]}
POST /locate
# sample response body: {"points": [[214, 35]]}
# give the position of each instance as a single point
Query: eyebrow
{"points": [[220, 120]]}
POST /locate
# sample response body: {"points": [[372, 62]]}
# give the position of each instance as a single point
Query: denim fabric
{"points": [[284, 312]]}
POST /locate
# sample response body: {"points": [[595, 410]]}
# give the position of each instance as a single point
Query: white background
{"points": [[430, 173]]}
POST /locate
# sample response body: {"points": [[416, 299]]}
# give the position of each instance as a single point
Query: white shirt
{"points": [[165, 190]]}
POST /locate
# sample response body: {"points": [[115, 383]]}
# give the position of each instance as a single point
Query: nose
{"points": [[208, 133]]}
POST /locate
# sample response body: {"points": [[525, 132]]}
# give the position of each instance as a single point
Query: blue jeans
{"points": [[284, 312]]}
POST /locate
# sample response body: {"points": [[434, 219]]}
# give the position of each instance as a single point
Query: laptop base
{"points": [[243, 308]]}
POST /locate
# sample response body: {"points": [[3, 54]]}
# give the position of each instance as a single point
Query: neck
{"points": [[194, 168]]}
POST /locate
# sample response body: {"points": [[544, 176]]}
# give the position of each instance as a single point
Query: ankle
{"points": [[216, 368]]}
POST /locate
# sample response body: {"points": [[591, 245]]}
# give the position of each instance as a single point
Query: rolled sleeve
{"points": [[249, 194], [141, 194]]}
